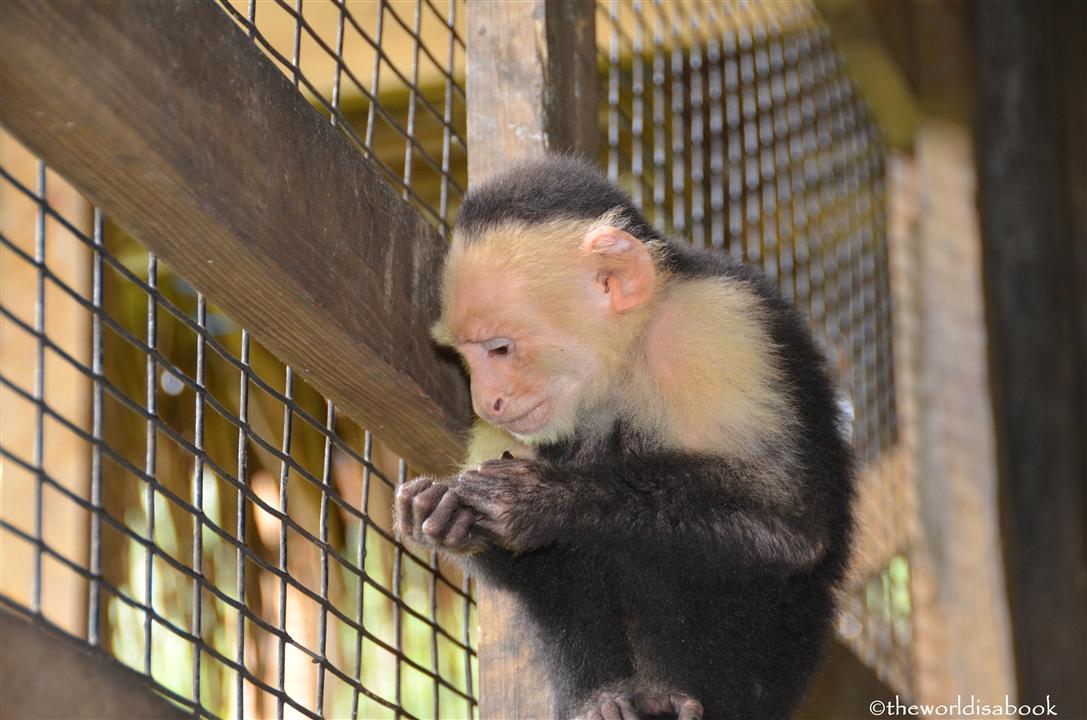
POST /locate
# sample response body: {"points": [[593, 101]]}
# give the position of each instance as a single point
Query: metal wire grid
{"points": [[423, 624], [736, 125], [389, 74]]}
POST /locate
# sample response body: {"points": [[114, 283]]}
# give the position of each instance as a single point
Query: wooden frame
{"points": [[49, 675], [1032, 178]]}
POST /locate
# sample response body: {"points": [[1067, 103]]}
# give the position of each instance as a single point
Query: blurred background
{"points": [[203, 527]]}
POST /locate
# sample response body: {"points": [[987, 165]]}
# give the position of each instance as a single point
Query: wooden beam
{"points": [[169, 118], [878, 70], [46, 675], [531, 89], [1031, 109]]}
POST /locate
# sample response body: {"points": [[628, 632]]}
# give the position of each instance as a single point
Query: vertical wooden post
{"points": [[531, 81], [531, 89], [962, 637], [1033, 176]]}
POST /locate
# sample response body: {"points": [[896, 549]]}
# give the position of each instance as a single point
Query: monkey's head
{"points": [[548, 284]]}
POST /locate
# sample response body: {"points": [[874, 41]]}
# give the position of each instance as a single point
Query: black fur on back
{"points": [[741, 636]]}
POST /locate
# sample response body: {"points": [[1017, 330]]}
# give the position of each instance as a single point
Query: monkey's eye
{"points": [[498, 347]]}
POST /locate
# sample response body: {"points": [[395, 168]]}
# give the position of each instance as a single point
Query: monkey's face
{"points": [[527, 374], [543, 317]]}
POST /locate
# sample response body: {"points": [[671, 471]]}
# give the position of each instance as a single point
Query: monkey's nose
{"points": [[497, 407]]}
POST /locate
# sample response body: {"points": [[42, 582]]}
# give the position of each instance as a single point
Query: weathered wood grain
{"points": [[532, 83], [531, 88], [1032, 172], [168, 117], [46, 675]]}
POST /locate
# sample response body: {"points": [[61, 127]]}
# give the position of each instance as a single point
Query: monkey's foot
{"points": [[621, 703]]}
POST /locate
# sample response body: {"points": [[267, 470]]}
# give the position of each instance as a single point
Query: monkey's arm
{"points": [[523, 505]]}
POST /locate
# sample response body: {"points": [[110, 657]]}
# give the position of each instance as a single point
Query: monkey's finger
{"points": [[655, 704], [629, 713], [423, 505], [611, 711], [686, 707], [405, 494], [476, 494], [505, 468], [472, 481], [434, 525], [458, 534]]}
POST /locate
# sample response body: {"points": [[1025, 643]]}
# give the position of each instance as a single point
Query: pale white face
{"points": [[526, 375], [537, 327]]}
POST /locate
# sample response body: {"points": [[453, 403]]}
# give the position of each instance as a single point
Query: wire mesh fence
{"points": [[228, 534], [736, 125], [389, 74]]}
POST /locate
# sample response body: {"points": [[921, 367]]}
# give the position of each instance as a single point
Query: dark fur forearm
{"points": [[671, 497], [628, 504]]}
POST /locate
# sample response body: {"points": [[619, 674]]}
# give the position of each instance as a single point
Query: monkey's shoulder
{"points": [[710, 378]]}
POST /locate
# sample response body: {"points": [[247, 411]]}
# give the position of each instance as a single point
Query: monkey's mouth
{"points": [[528, 422]]}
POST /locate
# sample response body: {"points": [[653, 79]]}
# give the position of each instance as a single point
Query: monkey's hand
{"points": [[428, 513], [506, 495]]}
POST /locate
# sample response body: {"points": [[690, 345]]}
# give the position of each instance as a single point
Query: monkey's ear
{"points": [[626, 272]]}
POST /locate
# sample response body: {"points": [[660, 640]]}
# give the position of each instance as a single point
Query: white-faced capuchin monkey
{"points": [[675, 513]]}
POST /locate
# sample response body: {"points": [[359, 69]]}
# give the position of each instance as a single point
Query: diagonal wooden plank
{"points": [[47, 674], [168, 117]]}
